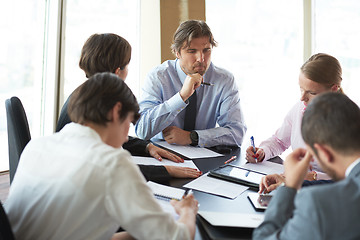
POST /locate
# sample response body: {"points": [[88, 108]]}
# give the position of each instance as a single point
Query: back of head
{"points": [[92, 101], [324, 69], [189, 30], [334, 120], [104, 53]]}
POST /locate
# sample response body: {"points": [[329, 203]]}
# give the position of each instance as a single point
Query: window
{"points": [[261, 43], [86, 17], [334, 34], [22, 24]]}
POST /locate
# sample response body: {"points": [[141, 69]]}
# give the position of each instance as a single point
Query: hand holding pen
{"points": [[254, 154]]}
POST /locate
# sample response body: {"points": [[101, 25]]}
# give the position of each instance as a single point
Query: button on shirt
{"points": [[219, 119], [72, 185]]}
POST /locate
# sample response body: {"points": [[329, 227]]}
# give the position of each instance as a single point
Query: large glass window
{"points": [[261, 43], [86, 17], [22, 25], [334, 22]]}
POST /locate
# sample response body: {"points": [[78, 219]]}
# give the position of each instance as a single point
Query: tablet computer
{"points": [[237, 174], [259, 201]]}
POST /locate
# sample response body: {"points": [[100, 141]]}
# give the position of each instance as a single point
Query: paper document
{"points": [[153, 161], [233, 219], [215, 186], [164, 194], [189, 151], [265, 167]]}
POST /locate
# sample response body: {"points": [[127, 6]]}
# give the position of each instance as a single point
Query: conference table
{"points": [[209, 202]]}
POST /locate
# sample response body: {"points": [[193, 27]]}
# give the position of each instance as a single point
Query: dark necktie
{"points": [[190, 114]]}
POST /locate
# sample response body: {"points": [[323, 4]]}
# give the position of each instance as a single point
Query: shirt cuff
{"points": [[176, 103]]}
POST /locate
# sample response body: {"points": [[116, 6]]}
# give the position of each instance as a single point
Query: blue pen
{"points": [[253, 145]]}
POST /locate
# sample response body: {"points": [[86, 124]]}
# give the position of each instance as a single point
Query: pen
{"points": [[187, 192], [247, 173], [207, 84], [253, 145], [230, 160]]}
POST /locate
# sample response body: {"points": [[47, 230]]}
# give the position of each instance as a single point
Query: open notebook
{"points": [[163, 192]]}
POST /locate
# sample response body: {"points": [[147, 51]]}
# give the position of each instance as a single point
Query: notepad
{"points": [[167, 193]]}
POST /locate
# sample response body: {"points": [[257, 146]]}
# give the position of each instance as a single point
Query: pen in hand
{"points": [[187, 192], [207, 84], [253, 145]]}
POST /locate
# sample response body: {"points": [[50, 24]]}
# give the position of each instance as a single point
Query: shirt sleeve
{"points": [[131, 203], [156, 114], [231, 121], [281, 140], [285, 219]]}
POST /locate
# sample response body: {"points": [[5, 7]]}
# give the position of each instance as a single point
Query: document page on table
{"points": [[265, 167], [189, 151], [153, 161], [216, 186]]}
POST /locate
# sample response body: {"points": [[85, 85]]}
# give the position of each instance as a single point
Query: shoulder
{"points": [[221, 73], [164, 68]]}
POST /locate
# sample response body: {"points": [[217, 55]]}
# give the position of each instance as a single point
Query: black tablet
{"points": [[238, 175], [259, 201]]}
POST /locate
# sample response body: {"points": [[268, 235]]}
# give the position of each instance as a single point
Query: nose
{"points": [[200, 57], [304, 97]]}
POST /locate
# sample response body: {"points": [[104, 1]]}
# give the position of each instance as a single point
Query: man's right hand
{"points": [[270, 182], [296, 167], [191, 83]]}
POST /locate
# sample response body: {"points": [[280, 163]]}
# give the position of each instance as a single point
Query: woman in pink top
{"points": [[320, 73]]}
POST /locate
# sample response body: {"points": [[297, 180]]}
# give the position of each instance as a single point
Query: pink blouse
{"points": [[288, 134]]}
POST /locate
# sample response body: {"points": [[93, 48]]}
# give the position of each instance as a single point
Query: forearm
{"points": [[187, 217], [155, 173], [136, 146], [273, 147], [229, 136], [279, 211], [156, 117]]}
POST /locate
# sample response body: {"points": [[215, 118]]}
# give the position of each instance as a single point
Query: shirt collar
{"points": [[179, 71], [351, 167]]}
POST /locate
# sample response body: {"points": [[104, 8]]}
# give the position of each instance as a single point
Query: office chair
{"points": [[18, 132], [5, 228]]}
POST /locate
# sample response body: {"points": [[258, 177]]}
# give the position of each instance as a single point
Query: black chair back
{"points": [[18, 132], [5, 228]]}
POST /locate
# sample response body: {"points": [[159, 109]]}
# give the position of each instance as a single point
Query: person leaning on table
{"points": [[108, 52], [330, 129], [81, 184], [171, 89]]}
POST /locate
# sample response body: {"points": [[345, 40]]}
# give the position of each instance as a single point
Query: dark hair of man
{"points": [[332, 119], [92, 100], [324, 69], [189, 30], [104, 53]]}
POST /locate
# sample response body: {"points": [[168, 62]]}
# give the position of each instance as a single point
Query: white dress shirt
{"points": [[72, 185]]}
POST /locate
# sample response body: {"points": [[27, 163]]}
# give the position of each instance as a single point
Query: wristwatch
{"points": [[194, 138]]}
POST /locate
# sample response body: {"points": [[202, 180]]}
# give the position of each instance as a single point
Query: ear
{"points": [[178, 55], [324, 153], [114, 112], [118, 71], [335, 88]]}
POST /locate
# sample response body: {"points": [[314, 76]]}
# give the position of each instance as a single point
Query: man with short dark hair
{"points": [[184, 100], [331, 131], [81, 184]]}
